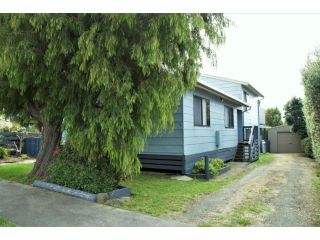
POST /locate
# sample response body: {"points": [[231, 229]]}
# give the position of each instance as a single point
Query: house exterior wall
{"points": [[237, 90], [251, 116], [180, 149], [234, 89], [169, 142], [200, 141]]}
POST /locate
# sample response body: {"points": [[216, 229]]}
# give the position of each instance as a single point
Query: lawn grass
{"points": [[153, 194], [264, 158], [156, 194], [16, 172], [6, 223]]}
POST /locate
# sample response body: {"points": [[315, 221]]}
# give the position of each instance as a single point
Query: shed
{"points": [[282, 140]]}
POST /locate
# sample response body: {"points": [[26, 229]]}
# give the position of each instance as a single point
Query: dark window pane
{"points": [[197, 111], [228, 117], [208, 112], [231, 125]]}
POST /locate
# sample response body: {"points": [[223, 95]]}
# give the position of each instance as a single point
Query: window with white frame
{"points": [[228, 117], [201, 111]]}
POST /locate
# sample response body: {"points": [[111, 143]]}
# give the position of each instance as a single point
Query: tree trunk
{"points": [[51, 139]]}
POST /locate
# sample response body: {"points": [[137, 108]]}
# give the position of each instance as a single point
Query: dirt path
{"points": [[278, 194]]}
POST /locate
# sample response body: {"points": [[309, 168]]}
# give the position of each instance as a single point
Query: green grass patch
{"points": [[157, 194], [264, 158], [16, 172], [241, 216], [316, 185], [6, 223], [153, 194], [238, 220], [253, 207]]}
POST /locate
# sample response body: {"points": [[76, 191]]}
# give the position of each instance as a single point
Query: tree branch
{"points": [[34, 111]]}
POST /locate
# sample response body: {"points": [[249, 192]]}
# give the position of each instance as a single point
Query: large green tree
{"points": [[111, 80], [273, 117], [311, 82], [293, 114]]}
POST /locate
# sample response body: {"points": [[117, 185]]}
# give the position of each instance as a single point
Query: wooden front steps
{"points": [[242, 153]]}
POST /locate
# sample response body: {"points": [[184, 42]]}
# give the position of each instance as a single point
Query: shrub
{"points": [[294, 116], [3, 153], [214, 165], [5, 129], [307, 146], [311, 82], [69, 169]]}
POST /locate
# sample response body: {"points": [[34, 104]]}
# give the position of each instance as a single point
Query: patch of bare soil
{"points": [[278, 194]]}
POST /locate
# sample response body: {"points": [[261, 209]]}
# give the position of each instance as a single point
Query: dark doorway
{"points": [[240, 125]]}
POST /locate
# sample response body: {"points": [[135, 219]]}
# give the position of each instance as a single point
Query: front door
{"points": [[240, 125]]}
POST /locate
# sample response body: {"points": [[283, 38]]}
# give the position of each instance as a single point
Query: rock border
{"points": [[203, 175], [120, 191]]}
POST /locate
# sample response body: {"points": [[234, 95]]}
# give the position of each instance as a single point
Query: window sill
{"points": [[202, 126]]}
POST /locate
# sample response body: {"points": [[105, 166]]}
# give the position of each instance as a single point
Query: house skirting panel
{"points": [[162, 162], [225, 154], [182, 163]]}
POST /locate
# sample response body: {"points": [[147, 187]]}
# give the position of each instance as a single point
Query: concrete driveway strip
{"points": [[28, 206]]}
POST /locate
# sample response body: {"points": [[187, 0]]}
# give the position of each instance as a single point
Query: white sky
{"points": [[268, 51]]}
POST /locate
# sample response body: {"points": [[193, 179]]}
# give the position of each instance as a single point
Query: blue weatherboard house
{"points": [[221, 118]]}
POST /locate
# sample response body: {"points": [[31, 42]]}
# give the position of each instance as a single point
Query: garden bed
{"points": [[204, 176], [120, 191]]}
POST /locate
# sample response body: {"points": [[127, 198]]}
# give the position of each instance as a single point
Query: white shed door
{"points": [[289, 143]]}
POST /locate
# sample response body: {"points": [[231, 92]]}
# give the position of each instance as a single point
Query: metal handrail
{"points": [[249, 138], [251, 135]]}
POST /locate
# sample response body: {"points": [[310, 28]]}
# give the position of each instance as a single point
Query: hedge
{"points": [[311, 82]]}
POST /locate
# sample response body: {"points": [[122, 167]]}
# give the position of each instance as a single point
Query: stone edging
{"points": [[100, 197]]}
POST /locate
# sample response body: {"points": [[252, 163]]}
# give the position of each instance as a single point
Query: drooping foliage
{"points": [[311, 82], [111, 79], [273, 117], [294, 116]]}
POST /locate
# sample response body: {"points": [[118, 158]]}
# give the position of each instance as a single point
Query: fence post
{"points": [[206, 162]]}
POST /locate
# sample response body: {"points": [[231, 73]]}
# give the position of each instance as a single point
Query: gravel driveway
{"points": [[278, 194]]}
